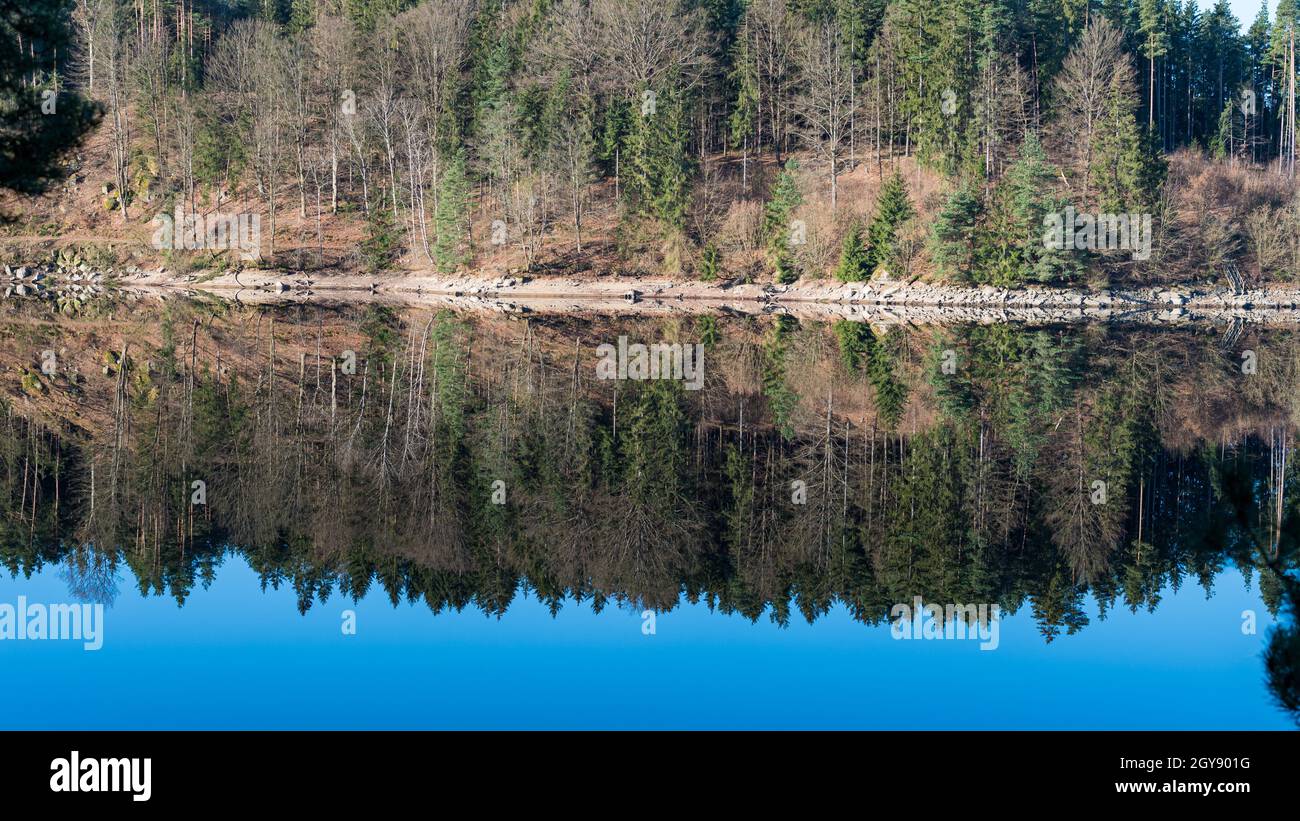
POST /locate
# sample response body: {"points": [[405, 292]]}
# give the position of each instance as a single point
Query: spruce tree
{"points": [[1016, 246], [382, 243], [1223, 144], [1126, 170], [33, 36], [780, 206], [659, 163], [890, 391], [893, 208], [710, 263], [854, 340], [451, 218], [787, 270], [854, 258], [777, 223], [1152, 25], [952, 237]]}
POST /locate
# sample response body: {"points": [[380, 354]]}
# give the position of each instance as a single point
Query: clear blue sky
{"points": [[1244, 9]]}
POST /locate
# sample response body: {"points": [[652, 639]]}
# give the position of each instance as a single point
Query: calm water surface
{"points": [[440, 520]]}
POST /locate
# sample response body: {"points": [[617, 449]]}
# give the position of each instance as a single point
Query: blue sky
{"points": [[1246, 10], [235, 657]]}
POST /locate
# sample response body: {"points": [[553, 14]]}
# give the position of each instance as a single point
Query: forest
{"points": [[730, 140]]}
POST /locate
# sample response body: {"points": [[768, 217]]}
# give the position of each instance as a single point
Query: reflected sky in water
{"points": [[236, 656]]}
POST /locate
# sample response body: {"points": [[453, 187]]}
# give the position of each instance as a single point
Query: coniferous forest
{"points": [[745, 140]]}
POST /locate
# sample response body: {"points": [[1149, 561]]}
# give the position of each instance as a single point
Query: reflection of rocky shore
{"points": [[880, 301]]}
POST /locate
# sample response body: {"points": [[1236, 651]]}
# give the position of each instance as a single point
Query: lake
{"points": [[374, 516]]}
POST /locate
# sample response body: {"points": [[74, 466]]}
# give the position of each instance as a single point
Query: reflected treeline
{"points": [[462, 461]]}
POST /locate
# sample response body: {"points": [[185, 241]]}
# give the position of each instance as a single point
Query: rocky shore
{"points": [[882, 299]]}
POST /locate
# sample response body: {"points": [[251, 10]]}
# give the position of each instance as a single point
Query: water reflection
{"points": [[461, 460]]}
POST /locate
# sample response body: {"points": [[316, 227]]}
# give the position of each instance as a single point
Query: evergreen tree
{"points": [[382, 243], [1126, 170], [787, 269], [785, 198], [781, 399], [710, 263], [1223, 144], [1152, 22], [893, 208], [658, 163], [33, 136], [854, 259], [854, 340], [1014, 249], [451, 218], [890, 391], [1256, 46], [952, 237]]}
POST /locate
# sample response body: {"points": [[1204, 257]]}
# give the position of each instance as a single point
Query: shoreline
{"points": [[914, 301]]}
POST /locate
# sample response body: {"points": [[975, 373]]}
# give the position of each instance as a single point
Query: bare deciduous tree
{"points": [[1088, 78], [825, 105]]}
